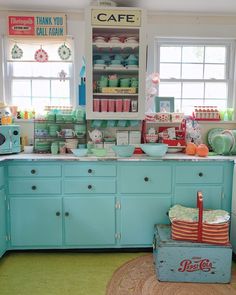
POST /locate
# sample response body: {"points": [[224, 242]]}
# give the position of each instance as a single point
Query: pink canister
{"points": [[104, 105], [119, 105], [96, 105], [111, 105]]}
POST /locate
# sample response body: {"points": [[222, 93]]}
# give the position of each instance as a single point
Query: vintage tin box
{"points": [[178, 261]]}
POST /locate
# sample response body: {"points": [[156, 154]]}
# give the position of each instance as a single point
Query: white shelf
{"points": [[117, 70], [115, 45], [115, 94], [115, 116]]}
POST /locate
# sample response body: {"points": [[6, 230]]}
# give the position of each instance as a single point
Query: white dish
{"points": [[174, 149]]}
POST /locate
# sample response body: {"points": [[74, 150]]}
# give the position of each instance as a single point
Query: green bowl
{"points": [[99, 152], [154, 149]]}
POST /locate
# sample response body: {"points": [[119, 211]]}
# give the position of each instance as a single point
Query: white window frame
{"points": [[8, 69], [230, 61]]}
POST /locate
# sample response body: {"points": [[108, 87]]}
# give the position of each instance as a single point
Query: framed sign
{"points": [[164, 104], [47, 25]]}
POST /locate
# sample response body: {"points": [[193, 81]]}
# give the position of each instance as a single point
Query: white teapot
{"points": [[95, 135]]}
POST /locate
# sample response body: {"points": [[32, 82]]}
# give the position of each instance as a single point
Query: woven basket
{"points": [[200, 231]]}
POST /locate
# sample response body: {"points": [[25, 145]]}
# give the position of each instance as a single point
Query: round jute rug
{"points": [[137, 277]]}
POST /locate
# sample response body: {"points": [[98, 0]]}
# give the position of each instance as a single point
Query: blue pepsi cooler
{"points": [[179, 261]]}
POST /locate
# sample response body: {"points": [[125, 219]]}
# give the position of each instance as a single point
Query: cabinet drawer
{"points": [[34, 170], [89, 186], [199, 174], [34, 186], [145, 179], [90, 169]]}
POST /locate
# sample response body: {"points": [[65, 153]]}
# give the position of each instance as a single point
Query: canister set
{"points": [[115, 81], [114, 105]]}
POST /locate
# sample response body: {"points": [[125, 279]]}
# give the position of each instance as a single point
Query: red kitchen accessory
{"points": [[211, 232]]}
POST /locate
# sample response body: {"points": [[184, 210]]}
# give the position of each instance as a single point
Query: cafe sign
{"points": [[37, 25], [125, 18]]}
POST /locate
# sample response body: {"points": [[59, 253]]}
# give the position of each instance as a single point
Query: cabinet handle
{"points": [[200, 174], [146, 179], [58, 213], [89, 186], [90, 171], [33, 187], [33, 171], [67, 214]]}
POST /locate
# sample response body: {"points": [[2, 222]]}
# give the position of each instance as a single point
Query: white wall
{"points": [[159, 25]]}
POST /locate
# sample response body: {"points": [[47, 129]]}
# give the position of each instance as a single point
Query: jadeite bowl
{"points": [[123, 150], [99, 152], [79, 152], [154, 149]]}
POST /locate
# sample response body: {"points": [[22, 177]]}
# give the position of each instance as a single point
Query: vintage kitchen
{"points": [[114, 120]]}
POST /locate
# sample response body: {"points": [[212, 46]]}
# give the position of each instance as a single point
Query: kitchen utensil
{"points": [[99, 152], [80, 152]]}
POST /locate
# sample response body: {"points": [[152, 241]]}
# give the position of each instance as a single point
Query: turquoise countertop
{"points": [[71, 157]]}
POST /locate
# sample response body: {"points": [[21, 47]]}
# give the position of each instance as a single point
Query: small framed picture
{"points": [[164, 104]]}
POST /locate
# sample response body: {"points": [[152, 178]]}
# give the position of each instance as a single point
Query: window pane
{"points": [[222, 104], [22, 102], [193, 90], [192, 71], [39, 102], [214, 72], [170, 54], [188, 105], [214, 54], [41, 88], [21, 88], [60, 102], [60, 88], [170, 89], [216, 90], [193, 54], [168, 71]]}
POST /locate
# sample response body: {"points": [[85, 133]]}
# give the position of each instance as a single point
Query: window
{"points": [[196, 72], [32, 84]]}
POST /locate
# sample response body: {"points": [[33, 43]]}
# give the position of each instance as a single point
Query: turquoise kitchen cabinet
{"points": [[3, 242], [90, 221], [145, 178], [213, 178], [36, 221], [144, 191], [34, 186], [104, 204], [90, 185], [3, 232], [34, 170], [90, 169], [187, 196], [138, 215]]}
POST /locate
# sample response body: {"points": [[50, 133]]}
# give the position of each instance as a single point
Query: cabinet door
{"points": [[36, 222], [139, 214], [3, 244], [187, 196], [89, 220]]}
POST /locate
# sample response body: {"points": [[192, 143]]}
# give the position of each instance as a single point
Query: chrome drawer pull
{"points": [[90, 171], [146, 179], [200, 174], [58, 213], [67, 214], [33, 171], [33, 187], [89, 186]]}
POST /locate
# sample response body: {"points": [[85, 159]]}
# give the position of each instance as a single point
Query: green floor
{"points": [[59, 273], [36, 273]]}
